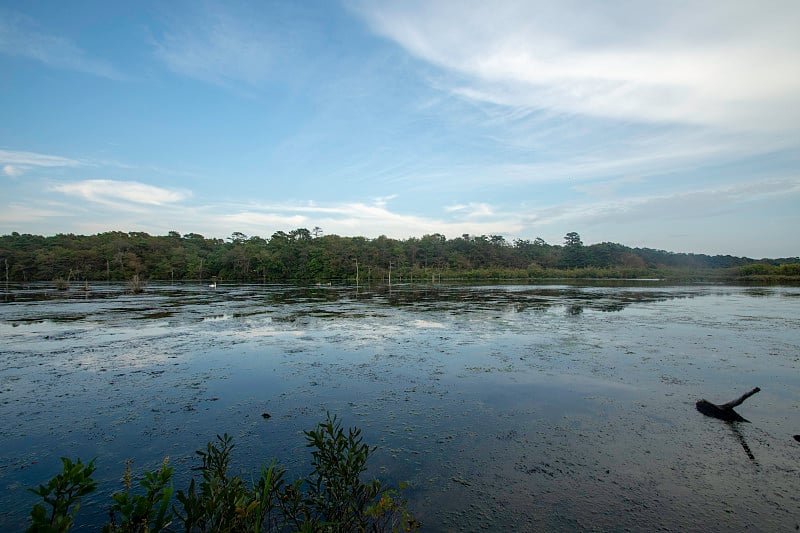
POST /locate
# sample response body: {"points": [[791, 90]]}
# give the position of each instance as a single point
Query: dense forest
{"points": [[308, 256]]}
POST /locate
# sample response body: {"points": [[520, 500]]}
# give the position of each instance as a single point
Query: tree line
{"points": [[301, 255]]}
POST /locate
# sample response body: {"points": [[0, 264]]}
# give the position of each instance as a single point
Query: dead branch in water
{"points": [[725, 411]]}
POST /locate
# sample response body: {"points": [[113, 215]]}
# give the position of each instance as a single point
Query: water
{"points": [[505, 407]]}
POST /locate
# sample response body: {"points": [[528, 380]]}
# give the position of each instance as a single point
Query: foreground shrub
{"points": [[143, 512], [333, 498], [62, 495]]}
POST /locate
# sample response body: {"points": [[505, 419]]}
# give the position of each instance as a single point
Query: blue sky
{"points": [[672, 125]]}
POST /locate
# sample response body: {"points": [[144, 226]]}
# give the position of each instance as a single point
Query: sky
{"points": [[665, 124]]}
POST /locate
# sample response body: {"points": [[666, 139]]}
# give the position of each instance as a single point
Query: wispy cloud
{"points": [[216, 47], [471, 210], [252, 219], [119, 193], [381, 201], [14, 214], [31, 159], [609, 188], [20, 36], [717, 64], [16, 163], [699, 203]]}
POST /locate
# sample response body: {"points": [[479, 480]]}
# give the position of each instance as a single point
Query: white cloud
{"points": [[12, 171], [19, 36], [713, 64], [110, 192]]}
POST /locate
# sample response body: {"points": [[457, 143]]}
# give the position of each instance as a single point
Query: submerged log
{"points": [[725, 411]]}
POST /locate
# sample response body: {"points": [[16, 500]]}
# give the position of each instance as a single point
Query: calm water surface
{"points": [[505, 407]]}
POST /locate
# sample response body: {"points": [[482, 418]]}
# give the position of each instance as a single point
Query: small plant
{"points": [[61, 284], [143, 513], [340, 497], [219, 503], [62, 494], [390, 512], [336, 498]]}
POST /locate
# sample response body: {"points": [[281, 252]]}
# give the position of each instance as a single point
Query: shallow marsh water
{"points": [[514, 407]]}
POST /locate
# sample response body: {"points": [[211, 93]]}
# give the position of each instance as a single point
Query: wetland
{"points": [[524, 407]]}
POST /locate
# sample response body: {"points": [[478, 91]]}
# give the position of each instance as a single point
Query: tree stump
{"points": [[725, 411]]}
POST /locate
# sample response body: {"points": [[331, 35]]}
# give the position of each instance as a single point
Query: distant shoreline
{"points": [[299, 256]]}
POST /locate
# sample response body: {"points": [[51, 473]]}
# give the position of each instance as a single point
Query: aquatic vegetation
{"points": [[332, 498]]}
